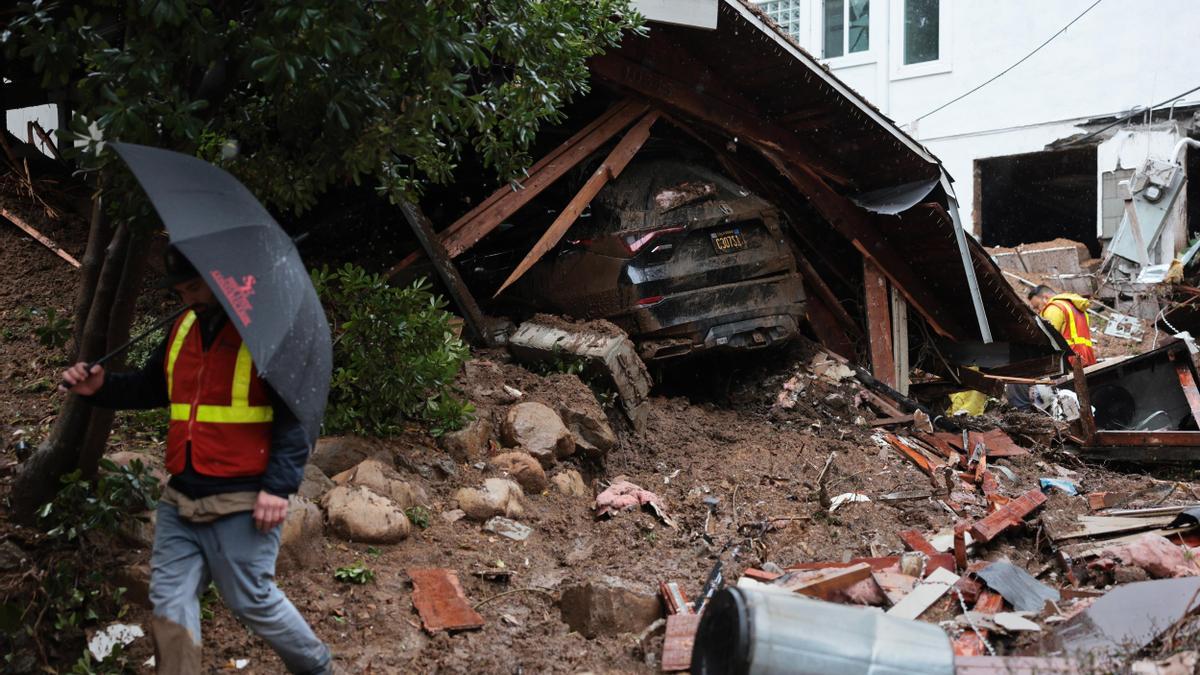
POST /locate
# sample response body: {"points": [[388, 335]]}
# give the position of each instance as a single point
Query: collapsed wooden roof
{"points": [[781, 122]]}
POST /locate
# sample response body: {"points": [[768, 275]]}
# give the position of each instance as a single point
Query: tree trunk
{"points": [[99, 236], [119, 322], [38, 479]]}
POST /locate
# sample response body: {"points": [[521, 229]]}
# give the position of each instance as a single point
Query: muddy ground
{"points": [[760, 464]]}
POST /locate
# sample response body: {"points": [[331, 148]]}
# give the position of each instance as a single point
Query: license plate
{"points": [[728, 241]]}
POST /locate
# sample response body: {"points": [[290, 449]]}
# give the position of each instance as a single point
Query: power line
{"points": [[1022, 60]]}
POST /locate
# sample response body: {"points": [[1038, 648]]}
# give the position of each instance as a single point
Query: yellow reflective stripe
{"points": [[176, 347], [234, 414], [241, 378], [181, 412], [1074, 338]]}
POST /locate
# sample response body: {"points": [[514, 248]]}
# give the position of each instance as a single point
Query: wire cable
{"points": [[1006, 70], [1134, 113]]}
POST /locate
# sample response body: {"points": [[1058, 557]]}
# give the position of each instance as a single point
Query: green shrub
{"points": [[355, 574], [395, 355]]}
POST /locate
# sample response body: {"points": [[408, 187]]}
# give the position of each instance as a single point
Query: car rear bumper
{"points": [[743, 315]]}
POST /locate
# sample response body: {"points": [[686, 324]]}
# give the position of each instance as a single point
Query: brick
{"points": [[969, 644], [440, 601], [678, 643], [1006, 516], [960, 545], [673, 598]]}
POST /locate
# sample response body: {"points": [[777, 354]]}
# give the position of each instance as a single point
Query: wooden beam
{"points": [[1188, 382], [41, 238], [793, 161], [900, 341], [814, 283], [879, 324], [609, 169], [447, 272], [1087, 422], [479, 221]]}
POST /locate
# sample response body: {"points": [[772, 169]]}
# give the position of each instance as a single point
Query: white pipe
{"points": [[1178, 149]]}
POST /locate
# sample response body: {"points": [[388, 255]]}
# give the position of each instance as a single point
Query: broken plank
{"points": [[1006, 516], [879, 324], [440, 601], [678, 642], [1091, 549], [924, 594], [915, 456], [826, 584], [1099, 526], [608, 170], [1188, 382], [673, 597], [447, 272], [937, 561], [41, 238], [888, 421], [1018, 665]]}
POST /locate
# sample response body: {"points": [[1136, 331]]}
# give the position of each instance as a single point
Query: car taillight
{"points": [[653, 299], [639, 240]]}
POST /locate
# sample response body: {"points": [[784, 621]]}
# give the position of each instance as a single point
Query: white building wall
{"points": [[1119, 55]]}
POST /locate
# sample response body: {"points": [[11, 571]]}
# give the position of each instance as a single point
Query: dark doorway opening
{"points": [[1039, 196]]}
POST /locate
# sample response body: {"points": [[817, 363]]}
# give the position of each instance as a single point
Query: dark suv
{"points": [[680, 257]]}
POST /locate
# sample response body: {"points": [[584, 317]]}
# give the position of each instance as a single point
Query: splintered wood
{"points": [[440, 601]]}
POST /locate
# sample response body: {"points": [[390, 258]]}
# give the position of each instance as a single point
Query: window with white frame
{"points": [[786, 13], [846, 27], [922, 31]]}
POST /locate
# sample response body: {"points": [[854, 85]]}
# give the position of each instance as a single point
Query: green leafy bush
{"points": [[395, 355], [355, 574], [52, 331]]}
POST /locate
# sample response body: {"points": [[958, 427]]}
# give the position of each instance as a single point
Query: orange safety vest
{"points": [[1077, 331], [219, 404]]}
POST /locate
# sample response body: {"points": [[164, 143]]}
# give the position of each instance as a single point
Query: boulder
{"points": [[469, 444], [523, 468], [315, 483], [538, 430], [498, 497], [358, 514], [335, 454], [383, 480], [571, 484], [609, 606], [303, 535], [589, 427]]}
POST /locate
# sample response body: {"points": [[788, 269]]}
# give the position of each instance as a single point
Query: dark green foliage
{"points": [[70, 588], [318, 92], [395, 355], [52, 330]]}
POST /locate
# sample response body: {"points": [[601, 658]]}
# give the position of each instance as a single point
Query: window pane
{"points": [[920, 31], [834, 10], [860, 26]]}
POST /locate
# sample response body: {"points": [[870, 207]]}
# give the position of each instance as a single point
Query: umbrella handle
{"points": [[132, 341]]}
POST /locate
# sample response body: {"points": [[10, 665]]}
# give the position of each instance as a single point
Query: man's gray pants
{"points": [[232, 553]]}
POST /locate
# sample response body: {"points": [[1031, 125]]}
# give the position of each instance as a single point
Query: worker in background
{"points": [[1067, 312]]}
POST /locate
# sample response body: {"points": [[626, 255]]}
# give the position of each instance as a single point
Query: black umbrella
{"points": [[252, 267]]}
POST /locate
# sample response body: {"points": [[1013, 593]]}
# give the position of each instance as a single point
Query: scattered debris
{"points": [[924, 594], [622, 495], [102, 642], [847, 498], [1018, 587], [1126, 618], [510, 529]]}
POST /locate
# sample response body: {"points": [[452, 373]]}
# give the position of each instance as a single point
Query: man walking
{"points": [[235, 452], [1067, 312]]}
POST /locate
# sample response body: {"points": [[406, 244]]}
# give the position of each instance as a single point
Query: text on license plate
{"points": [[728, 241]]}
